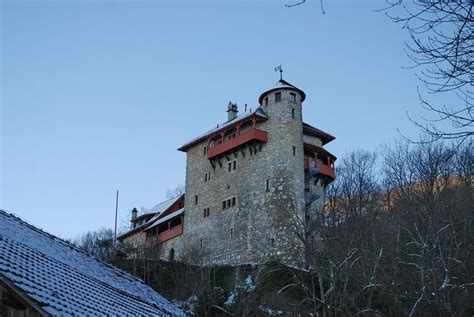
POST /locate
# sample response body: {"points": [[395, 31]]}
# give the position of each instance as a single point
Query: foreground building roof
{"points": [[58, 279]]}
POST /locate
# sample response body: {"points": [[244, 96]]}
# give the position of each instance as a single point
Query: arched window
{"points": [[171, 256]]}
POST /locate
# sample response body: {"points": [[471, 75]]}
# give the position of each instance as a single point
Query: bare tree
{"points": [[442, 48], [97, 243], [174, 192]]}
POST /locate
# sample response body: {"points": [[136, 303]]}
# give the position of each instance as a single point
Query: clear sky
{"points": [[98, 95]]}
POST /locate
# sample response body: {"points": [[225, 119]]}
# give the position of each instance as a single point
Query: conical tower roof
{"points": [[282, 84]]}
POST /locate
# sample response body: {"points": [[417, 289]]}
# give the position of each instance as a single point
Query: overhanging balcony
{"points": [[323, 169], [254, 134], [165, 236]]}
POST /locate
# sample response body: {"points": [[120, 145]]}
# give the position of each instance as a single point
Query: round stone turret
{"points": [[280, 85]]}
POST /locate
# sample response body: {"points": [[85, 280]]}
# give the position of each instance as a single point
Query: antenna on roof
{"points": [[279, 69]]}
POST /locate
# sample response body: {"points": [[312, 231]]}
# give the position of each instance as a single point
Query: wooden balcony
{"points": [[165, 236], [323, 169], [254, 134]]}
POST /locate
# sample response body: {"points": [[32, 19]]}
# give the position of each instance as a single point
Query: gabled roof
{"points": [[257, 112], [165, 218], [163, 206], [282, 84], [156, 212], [324, 136], [65, 281]]}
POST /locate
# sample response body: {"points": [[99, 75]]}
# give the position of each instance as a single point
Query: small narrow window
{"points": [[223, 205], [293, 113], [266, 101], [292, 97], [171, 256], [231, 232], [204, 150], [233, 201], [200, 243], [267, 183], [278, 97], [232, 166], [206, 212], [294, 150], [196, 199]]}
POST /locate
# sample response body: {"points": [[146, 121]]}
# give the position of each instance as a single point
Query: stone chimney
{"points": [[134, 216], [232, 111]]}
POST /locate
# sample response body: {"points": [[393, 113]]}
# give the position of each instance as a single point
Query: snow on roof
{"points": [[66, 281], [282, 84], [224, 125], [171, 215], [161, 207]]}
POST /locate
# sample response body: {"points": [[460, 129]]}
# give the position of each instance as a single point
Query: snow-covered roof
{"points": [[162, 207], [171, 215], [282, 84], [159, 208], [219, 127], [65, 281]]}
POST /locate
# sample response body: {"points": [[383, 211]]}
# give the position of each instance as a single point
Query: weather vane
{"points": [[279, 69]]}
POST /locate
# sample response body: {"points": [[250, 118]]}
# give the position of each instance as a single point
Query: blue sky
{"points": [[98, 95]]}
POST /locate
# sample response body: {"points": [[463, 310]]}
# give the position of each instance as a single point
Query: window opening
{"points": [[278, 97], [292, 97]]}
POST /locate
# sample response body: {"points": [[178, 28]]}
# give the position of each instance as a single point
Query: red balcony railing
{"points": [[254, 134], [323, 169], [165, 236]]}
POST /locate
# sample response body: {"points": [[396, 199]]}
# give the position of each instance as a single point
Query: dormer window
{"points": [[266, 101], [278, 97]]}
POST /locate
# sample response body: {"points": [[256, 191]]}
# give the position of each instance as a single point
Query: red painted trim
{"points": [[174, 207], [165, 236], [254, 134], [209, 136], [323, 169]]}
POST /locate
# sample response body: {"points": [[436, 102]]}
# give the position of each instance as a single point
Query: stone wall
{"points": [[263, 223]]}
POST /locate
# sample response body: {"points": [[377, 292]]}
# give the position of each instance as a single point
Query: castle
{"points": [[252, 184]]}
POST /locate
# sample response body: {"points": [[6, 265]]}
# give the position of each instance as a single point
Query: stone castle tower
{"points": [[253, 182]]}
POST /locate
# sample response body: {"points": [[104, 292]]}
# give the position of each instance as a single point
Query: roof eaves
{"points": [[258, 112], [23, 298]]}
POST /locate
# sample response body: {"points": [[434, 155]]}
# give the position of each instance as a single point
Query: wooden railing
{"points": [[165, 235], [254, 134], [323, 169]]}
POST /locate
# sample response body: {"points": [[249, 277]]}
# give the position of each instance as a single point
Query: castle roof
{"points": [[282, 84], [168, 217], [324, 136], [155, 212], [61, 280], [257, 112]]}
